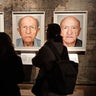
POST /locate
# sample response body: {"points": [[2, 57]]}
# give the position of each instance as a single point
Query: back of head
{"points": [[53, 32], [4, 39], [5, 44]]}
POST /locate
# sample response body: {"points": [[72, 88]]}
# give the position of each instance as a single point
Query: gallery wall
{"points": [[87, 61]]}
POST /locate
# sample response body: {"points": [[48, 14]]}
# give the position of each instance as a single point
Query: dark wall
{"points": [[87, 65]]}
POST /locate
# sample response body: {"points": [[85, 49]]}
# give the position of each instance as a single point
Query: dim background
{"points": [[87, 61]]}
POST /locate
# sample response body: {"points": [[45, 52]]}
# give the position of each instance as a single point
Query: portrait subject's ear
{"points": [[18, 29], [38, 29], [79, 31]]}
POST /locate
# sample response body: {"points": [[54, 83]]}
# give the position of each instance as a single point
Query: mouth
{"points": [[69, 36], [27, 36]]}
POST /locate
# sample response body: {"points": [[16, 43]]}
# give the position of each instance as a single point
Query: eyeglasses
{"points": [[26, 27]]}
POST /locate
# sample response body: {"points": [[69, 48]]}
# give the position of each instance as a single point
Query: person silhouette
{"points": [[11, 67], [44, 58]]}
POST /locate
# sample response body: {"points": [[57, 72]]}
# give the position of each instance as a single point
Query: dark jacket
{"points": [[78, 43], [11, 74], [45, 56], [44, 60]]}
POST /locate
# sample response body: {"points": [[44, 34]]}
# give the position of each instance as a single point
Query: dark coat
{"points": [[45, 56], [44, 60], [78, 43], [11, 74]]}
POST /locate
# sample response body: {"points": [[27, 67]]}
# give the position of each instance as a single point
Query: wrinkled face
{"points": [[70, 29], [28, 29]]}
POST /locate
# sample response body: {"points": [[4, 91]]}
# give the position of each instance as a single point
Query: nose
{"points": [[69, 31], [28, 30]]}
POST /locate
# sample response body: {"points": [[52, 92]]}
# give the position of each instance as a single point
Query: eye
{"points": [[24, 27], [32, 27], [74, 27], [65, 27]]}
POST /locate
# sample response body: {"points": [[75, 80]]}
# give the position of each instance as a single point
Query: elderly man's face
{"points": [[70, 29], [28, 29]]}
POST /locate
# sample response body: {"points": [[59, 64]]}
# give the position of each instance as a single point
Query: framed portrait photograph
{"points": [[73, 29], [28, 30], [1, 21]]}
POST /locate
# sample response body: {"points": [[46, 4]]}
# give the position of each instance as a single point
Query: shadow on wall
{"points": [[29, 74]]}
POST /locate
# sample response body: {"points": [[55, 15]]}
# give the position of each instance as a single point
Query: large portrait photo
{"points": [[1, 21], [73, 28], [28, 30]]}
